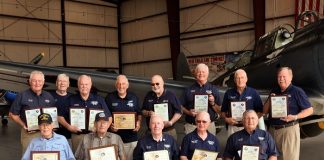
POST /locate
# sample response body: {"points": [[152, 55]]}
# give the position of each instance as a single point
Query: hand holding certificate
{"points": [[250, 152], [156, 155], [124, 120], [103, 153], [78, 117], [162, 110], [204, 155], [32, 119], [201, 103], [279, 106], [237, 110]]}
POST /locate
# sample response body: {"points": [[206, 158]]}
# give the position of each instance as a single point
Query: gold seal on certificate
{"points": [[53, 112], [279, 106], [32, 119], [162, 111], [156, 155], [201, 103], [124, 120], [103, 153], [250, 152], [237, 109], [92, 116], [45, 155], [204, 155], [78, 117]]}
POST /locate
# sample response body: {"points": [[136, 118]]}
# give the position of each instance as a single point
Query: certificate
{"points": [[201, 103], [237, 110], [124, 120], [53, 112], [32, 119], [204, 155], [156, 155], [103, 153], [78, 117], [279, 106], [250, 152], [45, 155], [92, 116], [162, 111]]}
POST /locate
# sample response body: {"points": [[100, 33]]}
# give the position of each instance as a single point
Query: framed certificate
{"points": [[103, 153], [204, 155], [42, 155], [201, 103], [279, 106], [237, 109], [53, 112], [32, 118], [162, 111], [92, 116], [156, 155], [124, 120], [250, 152], [78, 117]]}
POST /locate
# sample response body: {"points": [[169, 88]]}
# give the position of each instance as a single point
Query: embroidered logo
{"points": [[167, 145], [261, 138], [130, 103], [165, 101], [114, 104], [47, 101], [248, 97], [30, 100], [211, 142], [194, 141], [150, 100], [148, 147], [94, 103], [240, 139]]}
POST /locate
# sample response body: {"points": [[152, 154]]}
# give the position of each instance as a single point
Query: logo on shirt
{"points": [[194, 141], [30, 100], [130, 103], [114, 104], [209, 91], [211, 142], [47, 101], [240, 139], [94, 103], [248, 97], [193, 91], [232, 97], [76, 104], [261, 138], [148, 147], [289, 95], [150, 100], [167, 145], [165, 101]]}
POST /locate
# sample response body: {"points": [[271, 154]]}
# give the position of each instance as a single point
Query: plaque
{"points": [[201, 103], [250, 152], [279, 106], [237, 110], [204, 155], [124, 120], [156, 155], [53, 112], [32, 119], [45, 155], [78, 117], [162, 111], [92, 116], [103, 153]]}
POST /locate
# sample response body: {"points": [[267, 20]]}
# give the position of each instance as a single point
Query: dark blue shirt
{"points": [[260, 138], [187, 99], [147, 143], [192, 141], [297, 101], [30, 100], [128, 104]]}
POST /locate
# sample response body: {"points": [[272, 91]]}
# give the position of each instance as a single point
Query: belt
{"points": [[285, 125]]}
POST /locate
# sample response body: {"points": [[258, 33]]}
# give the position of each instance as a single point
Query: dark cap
{"points": [[44, 118], [101, 116]]}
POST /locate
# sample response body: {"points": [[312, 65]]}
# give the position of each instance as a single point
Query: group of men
{"points": [[282, 141]]}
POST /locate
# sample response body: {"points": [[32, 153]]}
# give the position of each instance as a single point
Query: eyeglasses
{"points": [[200, 121], [153, 84]]}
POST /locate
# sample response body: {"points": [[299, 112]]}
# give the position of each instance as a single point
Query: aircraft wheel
{"points": [[4, 122]]}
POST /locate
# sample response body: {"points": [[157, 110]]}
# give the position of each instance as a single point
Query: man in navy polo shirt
{"points": [[32, 98], [122, 100], [84, 99], [201, 87], [161, 96], [241, 92], [285, 130], [252, 136], [200, 138]]}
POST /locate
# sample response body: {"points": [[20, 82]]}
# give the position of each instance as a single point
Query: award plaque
{"points": [[237, 109], [156, 155], [162, 111], [201, 103], [78, 117], [279, 106], [45, 155], [53, 112], [103, 153], [92, 116], [32, 119], [250, 152], [204, 155], [124, 120]]}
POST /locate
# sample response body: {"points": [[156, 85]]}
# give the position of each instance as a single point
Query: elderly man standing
{"points": [[200, 138], [49, 141], [122, 100], [156, 141], [201, 87], [30, 99], [241, 92], [252, 136], [285, 130], [162, 98], [100, 138]]}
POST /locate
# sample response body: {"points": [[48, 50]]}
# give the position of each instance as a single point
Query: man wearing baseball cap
{"points": [[49, 141]]}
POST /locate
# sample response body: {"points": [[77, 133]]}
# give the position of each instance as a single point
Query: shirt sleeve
{"points": [[138, 151], [16, 105], [185, 147], [121, 151], [175, 150], [177, 104], [229, 151], [272, 148], [26, 155], [302, 99], [216, 95], [79, 153]]}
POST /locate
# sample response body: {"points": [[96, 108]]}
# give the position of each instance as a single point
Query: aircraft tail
{"points": [[183, 71]]}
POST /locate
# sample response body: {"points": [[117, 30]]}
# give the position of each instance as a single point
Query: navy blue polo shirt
{"points": [[249, 95], [260, 138], [30, 100], [187, 99], [169, 97], [147, 143], [128, 104], [192, 141], [297, 101]]}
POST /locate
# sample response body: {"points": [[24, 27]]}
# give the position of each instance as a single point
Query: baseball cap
{"points": [[101, 116], [44, 118]]}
